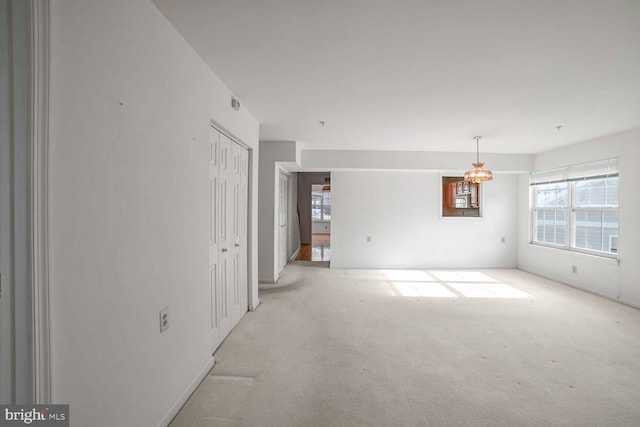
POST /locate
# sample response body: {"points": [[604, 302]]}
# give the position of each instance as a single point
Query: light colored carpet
{"points": [[424, 348]]}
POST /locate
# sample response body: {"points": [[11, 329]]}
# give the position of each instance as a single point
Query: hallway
{"points": [[318, 250], [330, 347]]}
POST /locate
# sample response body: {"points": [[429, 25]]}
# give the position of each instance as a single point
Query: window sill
{"points": [[462, 218]]}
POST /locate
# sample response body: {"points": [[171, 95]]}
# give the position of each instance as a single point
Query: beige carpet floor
{"points": [[333, 347]]}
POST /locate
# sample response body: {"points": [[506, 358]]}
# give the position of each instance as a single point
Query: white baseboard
{"points": [[295, 254], [187, 393], [253, 307], [587, 290]]}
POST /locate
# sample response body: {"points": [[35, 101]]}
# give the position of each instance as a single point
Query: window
{"points": [[321, 204], [577, 207], [551, 201], [595, 215]]}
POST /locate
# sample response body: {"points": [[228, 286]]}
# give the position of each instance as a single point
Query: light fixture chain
{"points": [[477, 138]]}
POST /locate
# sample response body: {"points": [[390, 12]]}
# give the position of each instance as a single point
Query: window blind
{"points": [[601, 169]]}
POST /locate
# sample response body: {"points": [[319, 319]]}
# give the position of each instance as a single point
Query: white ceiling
{"points": [[424, 74]]}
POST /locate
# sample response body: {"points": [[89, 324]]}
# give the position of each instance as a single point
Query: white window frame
{"points": [[322, 205], [570, 175]]}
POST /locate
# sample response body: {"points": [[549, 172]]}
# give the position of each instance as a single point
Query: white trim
{"points": [[252, 235], [587, 290], [40, 18], [600, 169], [480, 196], [569, 212], [175, 408], [284, 171], [217, 126], [591, 255]]}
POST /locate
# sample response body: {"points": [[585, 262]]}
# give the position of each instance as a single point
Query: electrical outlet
{"points": [[574, 268], [368, 238], [164, 319]]}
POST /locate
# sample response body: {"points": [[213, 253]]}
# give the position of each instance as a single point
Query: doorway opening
{"points": [[320, 247]]}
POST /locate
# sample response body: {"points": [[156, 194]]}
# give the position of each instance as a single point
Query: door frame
{"points": [[322, 205], [251, 254], [39, 199], [37, 195], [282, 172]]}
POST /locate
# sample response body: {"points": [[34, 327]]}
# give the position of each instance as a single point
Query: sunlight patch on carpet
{"points": [[422, 289]]}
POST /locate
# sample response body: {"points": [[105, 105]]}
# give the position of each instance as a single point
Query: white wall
{"points": [[130, 109], [401, 213], [15, 265], [271, 153], [595, 274], [320, 160], [320, 227]]}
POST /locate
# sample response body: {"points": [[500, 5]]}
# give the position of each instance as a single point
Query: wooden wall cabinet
{"points": [[474, 188], [460, 198], [449, 195]]}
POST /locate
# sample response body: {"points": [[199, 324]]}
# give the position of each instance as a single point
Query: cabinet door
{"points": [[449, 193], [458, 187], [475, 197]]}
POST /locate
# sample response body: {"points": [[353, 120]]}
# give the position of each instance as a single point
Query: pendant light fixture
{"points": [[478, 173]]}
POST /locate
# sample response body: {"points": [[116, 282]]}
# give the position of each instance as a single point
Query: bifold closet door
{"points": [[225, 250], [229, 182], [241, 203], [214, 283]]}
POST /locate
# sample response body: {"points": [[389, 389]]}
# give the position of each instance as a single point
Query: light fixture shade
{"points": [[478, 174]]}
